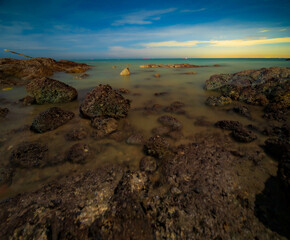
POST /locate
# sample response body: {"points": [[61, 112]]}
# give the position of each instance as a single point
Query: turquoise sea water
{"points": [[187, 88]]}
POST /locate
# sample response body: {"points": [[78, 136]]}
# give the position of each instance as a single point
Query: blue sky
{"points": [[136, 29]]}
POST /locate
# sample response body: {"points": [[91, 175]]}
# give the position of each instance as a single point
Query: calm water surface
{"points": [[142, 86]]}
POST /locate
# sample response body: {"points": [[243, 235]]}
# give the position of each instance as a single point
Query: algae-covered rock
{"points": [[157, 147], [218, 101], [103, 101], [51, 119], [46, 90]]}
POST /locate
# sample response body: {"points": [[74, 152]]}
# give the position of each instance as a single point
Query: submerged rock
{"points": [[125, 72], [78, 153], [82, 76], [27, 101], [51, 119], [243, 111], [104, 126], [3, 112], [29, 155], [170, 122], [243, 135], [175, 107], [218, 101], [103, 101], [157, 147], [228, 125], [148, 164], [76, 134], [135, 139], [46, 90], [6, 175]]}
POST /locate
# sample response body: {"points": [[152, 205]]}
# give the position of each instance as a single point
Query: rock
{"points": [[152, 108], [161, 131], [243, 135], [76, 134], [29, 155], [82, 76], [243, 111], [46, 90], [161, 94], [277, 147], [78, 153], [148, 164], [175, 107], [157, 147], [135, 139], [50, 119], [27, 101], [3, 112], [228, 125], [125, 72], [157, 75], [175, 135], [114, 67], [6, 175], [76, 70], [218, 101], [20, 72], [170, 122], [284, 171], [123, 91], [104, 126], [201, 121], [103, 101]]}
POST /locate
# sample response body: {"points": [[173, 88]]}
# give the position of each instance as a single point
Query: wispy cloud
{"points": [[192, 10], [220, 43], [142, 17], [264, 30]]}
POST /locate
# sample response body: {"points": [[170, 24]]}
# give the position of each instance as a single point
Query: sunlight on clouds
{"points": [[265, 30], [220, 43]]}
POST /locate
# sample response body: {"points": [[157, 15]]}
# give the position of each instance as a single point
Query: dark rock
{"points": [[243, 111], [277, 147], [157, 147], [123, 91], [161, 130], [3, 112], [201, 121], [218, 101], [243, 135], [135, 139], [119, 135], [148, 164], [152, 108], [51, 119], [76, 134], [29, 155], [104, 126], [46, 90], [6, 175], [27, 101], [175, 107], [161, 94], [228, 125], [78, 153], [170, 122], [284, 171], [103, 101]]}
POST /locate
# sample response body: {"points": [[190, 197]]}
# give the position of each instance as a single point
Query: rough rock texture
{"points": [[27, 101], [157, 147], [218, 101], [170, 122], [20, 72], [50, 119], [103, 101], [3, 112], [125, 72], [78, 153], [243, 135], [46, 90], [269, 87], [243, 111], [148, 164], [104, 126], [228, 125], [29, 155]]}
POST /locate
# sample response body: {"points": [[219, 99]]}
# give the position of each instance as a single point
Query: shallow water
{"points": [[142, 86]]}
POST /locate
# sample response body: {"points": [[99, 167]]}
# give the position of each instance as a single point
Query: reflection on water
{"points": [[186, 88]]}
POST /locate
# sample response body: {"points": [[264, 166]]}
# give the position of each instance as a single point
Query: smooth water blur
{"points": [[186, 88]]}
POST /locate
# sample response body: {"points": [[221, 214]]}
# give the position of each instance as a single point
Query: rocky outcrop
{"points": [[103, 101], [50, 120], [218, 101], [46, 90], [20, 72], [269, 87]]}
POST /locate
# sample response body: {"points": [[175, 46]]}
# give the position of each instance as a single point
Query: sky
{"points": [[93, 29]]}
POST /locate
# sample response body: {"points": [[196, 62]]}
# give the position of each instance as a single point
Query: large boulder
{"points": [[51, 119], [46, 90], [103, 101]]}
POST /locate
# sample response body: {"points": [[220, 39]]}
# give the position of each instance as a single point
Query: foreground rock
{"points": [[6, 174], [29, 155], [103, 101], [269, 87], [78, 153], [50, 120], [46, 90], [20, 72], [3, 112], [104, 126], [218, 101]]}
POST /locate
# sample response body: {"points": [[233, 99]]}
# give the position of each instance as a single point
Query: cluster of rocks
{"points": [[268, 87], [20, 72], [181, 65]]}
